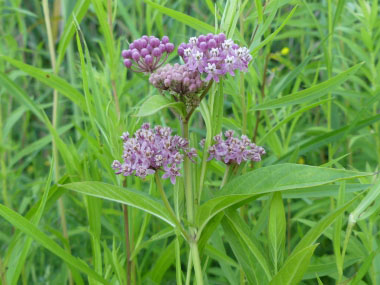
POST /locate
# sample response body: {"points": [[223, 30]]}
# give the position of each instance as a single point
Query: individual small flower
{"points": [[177, 79], [150, 150], [233, 150], [147, 53], [214, 55]]}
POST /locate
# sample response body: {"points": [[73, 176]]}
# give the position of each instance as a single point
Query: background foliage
{"points": [[311, 96]]}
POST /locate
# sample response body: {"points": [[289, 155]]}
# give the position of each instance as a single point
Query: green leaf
{"points": [[277, 230], [156, 103], [313, 234], [294, 268], [28, 228], [50, 80], [273, 35], [21, 96], [122, 195], [311, 93], [288, 118], [242, 231], [259, 8], [324, 139], [181, 17], [18, 259], [75, 18], [280, 177], [364, 268], [242, 253]]}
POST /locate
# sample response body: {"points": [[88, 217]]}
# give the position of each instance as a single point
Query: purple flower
{"points": [[233, 150], [147, 53], [214, 55], [151, 150], [171, 172]]}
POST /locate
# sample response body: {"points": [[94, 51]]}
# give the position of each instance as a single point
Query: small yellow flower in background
{"points": [[301, 160], [285, 51], [30, 169]]}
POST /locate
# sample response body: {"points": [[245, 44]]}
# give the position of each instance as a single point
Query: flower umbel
{"points": [[177, 79], [147, 53], [150, 150], [214, 55], [233, 150]]}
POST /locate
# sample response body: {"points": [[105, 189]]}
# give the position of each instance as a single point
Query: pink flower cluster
{"points": [[147, 53], [150, 150], [214, 55], [178, 79], [233, 150]]}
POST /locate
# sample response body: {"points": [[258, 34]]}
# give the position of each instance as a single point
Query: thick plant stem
{"points": [[190, 211], [188, 186], [178, 261], [61, 208], [196, 262], [127, 243], [188, 271], [204, 93]]}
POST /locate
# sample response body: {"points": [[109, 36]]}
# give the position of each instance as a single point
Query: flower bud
{"points": [[167, 82], [203, 46], [211, 43], [169, 47], [162, 48], [144, 52], [137, 44], [136, 55], [165, 39], [202, 38], [127, 63], [148, 59], [156, 52], [126, 53], [154, 42], [186, 81], [221, 37]]}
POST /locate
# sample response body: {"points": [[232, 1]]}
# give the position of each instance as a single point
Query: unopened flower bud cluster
{"points": [[177, 79], [147, 53], [150, 150]]}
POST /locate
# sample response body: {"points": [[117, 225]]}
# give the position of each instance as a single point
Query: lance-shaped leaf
{"points": [[294, 268], [122, 195], [281, 177], [311, 93]]}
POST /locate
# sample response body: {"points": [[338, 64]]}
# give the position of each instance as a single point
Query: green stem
{"points": [[196, 262], [168, 207], [188, 271], [127, 243], [204, 93], [225, 177], [178, 261], [187, 175]]}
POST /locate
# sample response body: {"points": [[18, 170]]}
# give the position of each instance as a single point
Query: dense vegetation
{"points": [[307, 213]]}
